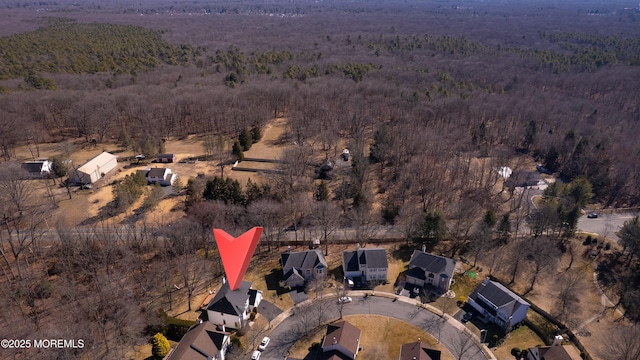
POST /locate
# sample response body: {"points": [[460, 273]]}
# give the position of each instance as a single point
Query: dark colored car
{"points": [[592, 215], [467, 316]]}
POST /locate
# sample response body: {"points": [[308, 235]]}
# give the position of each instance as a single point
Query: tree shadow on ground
{"points": [[404, 252], [336, 273], [273, 281]]}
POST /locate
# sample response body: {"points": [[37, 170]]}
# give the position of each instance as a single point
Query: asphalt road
{"points": [[604, 225], [285, 335]]}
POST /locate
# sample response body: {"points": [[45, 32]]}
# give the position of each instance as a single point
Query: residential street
{"points": [[605, 224], [287, 332]]}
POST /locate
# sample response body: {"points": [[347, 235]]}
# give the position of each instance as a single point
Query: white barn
{"points": [[96, 168]]}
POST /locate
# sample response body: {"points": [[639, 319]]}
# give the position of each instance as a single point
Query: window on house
{"points": [[431, 275]]}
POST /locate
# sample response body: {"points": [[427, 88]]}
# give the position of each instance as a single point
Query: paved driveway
{"points": [[299, 318]]}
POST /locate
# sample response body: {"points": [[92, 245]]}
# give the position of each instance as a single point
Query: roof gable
{"points": [[302, 260], [432, 263], [368, 258], [350, 259], [418, 350], [97, 162], [203, 341], [499, 296], [229, 301], [343, 333], [157, 172]]}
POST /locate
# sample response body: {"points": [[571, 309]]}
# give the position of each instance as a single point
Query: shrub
{"points": [[515, 352], [235, 341], [587, 240], [256, 134], [159, 346]]}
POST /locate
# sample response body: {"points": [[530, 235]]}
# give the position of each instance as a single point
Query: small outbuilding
{"points": [[37, 169], [166, 158]]}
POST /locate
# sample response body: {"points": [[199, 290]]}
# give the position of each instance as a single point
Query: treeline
{"points": [[68, 47]]}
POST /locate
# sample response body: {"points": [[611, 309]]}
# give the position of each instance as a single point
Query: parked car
{"points": [[256, 355], [264, 343], [344, 300], [592, 215], [467, 316]]}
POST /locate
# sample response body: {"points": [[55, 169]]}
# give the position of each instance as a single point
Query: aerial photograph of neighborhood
{"points": [[320, 179]]}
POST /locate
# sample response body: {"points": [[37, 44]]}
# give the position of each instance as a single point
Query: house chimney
{"points": [[289, 248], [224, 280], [334, 340], [424, 248], [357, 246]]}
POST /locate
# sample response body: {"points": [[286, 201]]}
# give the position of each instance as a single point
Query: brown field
{"points": [[88, 203]]}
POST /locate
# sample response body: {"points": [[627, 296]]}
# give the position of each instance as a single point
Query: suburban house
{"points": [[342, 341], [303, 266], [162, 176], [203, 341], [231, 308], [166, 158], [37, 169], [430, 271], [418, 350], [367, 265], [498, 305], [95, 169], [556, 352]]}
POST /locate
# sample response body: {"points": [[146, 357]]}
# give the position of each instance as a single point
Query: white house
{"points": [[428, 270], [95, 169], [342, 341], [303, 266], [232, 308], [38, 168], [498, 305], [203, 341], [162, 176]]}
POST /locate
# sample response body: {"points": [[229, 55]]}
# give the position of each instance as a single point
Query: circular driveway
{"points": [[301, 319]]}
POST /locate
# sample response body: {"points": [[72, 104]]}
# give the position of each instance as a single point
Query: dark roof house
{"points": [[498, 304], [300, 267], [427, 269], [369, 264], [231, 308], [37, 168], [202, 342]]}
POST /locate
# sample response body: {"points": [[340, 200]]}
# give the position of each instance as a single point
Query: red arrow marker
{"points": [[236, 253]]}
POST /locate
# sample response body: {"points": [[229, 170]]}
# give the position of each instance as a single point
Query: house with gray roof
{"points": [[301, 267], [201, 342], [232, 308], [369, 265], [161, 176], [429, 270], [498, 305]]}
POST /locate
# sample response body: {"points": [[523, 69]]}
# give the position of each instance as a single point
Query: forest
{"points": [[430, 97]]}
